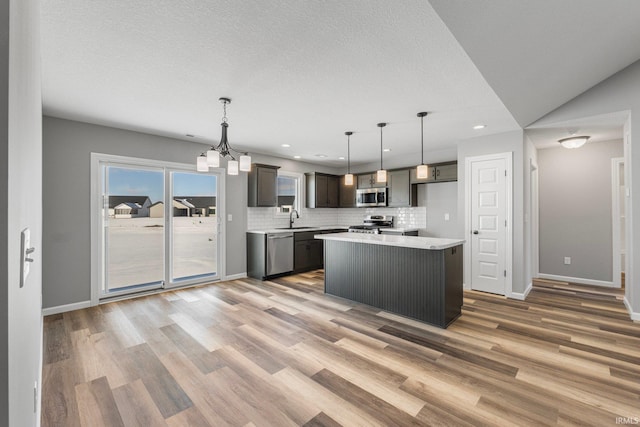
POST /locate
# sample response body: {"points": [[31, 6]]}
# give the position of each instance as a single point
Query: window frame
{"points": [[299, 195]]}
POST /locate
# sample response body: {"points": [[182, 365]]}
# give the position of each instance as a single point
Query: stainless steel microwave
{"points": [[366, 197]]}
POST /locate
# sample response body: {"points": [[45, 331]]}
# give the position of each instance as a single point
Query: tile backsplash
{"points": [[267, 218]]}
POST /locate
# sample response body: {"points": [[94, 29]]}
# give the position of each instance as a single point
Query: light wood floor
{"points": [[281, 353]]}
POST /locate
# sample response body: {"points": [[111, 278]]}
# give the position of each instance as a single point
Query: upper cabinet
{"points": [[369, 181], [263, 186], [323, 190], [401, 193], [347, 195], [439, 172]]}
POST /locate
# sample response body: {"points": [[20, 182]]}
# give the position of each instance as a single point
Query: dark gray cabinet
{"points": [[308, 252], [368, 180], [263, 186], [323, 190], [401, 193], [439, 172], [347, 195]]}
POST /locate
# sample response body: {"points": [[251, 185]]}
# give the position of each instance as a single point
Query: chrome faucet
{"points": [[291, 217]]}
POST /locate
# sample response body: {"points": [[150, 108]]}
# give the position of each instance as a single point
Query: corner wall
{"points": [[21, 193]]}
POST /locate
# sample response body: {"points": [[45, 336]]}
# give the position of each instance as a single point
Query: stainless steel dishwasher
{"points": [[279, 253]]}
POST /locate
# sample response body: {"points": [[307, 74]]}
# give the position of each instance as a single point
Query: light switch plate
{"points": [[25, 243]]}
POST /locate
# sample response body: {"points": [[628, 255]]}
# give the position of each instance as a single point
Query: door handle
{"points": [[476, 232]]}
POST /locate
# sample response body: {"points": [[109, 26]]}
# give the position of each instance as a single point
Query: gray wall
{"points": [[440, 199], [21, 192], [499, 143], [67, 235], [575, 210], [618, 94]]}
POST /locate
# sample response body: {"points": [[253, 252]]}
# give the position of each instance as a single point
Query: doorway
{"points": [[488, 195], [154, 225]]}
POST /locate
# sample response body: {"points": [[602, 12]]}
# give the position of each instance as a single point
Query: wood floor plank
{"points": [[136, 406], [280, 352], [96, 404]]}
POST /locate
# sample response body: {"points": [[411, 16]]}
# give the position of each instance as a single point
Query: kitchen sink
{"points": [[293, 228]]}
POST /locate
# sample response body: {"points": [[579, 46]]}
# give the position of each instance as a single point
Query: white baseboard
{"points": [[236, 276], [578, 280], [64, 308], [521, 295], [632, 314], [465, 287]]}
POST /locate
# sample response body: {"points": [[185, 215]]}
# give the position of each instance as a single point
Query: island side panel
{"points": [[406, 281], [453, 283]]}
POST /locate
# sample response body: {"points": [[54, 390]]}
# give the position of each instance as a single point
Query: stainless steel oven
{"points": [[371, 197]]}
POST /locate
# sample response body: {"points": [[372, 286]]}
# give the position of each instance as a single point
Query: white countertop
{"points": [[415, 242], [288, 230]]}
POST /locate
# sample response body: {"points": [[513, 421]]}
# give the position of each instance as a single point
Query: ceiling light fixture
{"points": [[285, 145], [348, 178], [381, 175], [573, 141], [223, 149], [422, 171], [478, 127]]}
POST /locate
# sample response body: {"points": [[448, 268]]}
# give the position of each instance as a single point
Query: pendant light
{"points": [[381, 175], [348, 178], [422, 171], [223, 149]]}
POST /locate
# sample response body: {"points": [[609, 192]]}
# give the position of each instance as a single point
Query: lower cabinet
{"points": [[308, 252]]}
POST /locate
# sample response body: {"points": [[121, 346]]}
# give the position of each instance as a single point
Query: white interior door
{"points": [[489, 225]]}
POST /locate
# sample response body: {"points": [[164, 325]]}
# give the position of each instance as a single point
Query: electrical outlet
{"points": [[229, 217], [567, 260], [446, 217]]}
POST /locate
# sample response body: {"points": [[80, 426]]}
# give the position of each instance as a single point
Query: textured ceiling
{"points": [[303, 72], [298, 72]]}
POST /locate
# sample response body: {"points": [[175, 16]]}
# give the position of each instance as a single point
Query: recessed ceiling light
{"points": [[386, 150], [341, 158], [478, 127], [285, 145], [296, 157], [322, 156]]}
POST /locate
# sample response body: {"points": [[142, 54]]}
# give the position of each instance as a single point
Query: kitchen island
{"points": [[417, 277]]}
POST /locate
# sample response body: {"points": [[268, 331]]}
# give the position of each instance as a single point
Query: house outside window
{"points": [[288, 190]]}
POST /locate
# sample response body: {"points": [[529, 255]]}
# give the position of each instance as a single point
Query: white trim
{"points": [[521, 295], [632, 314], [64, 308], [534, 219], [615, 220], [508, 158], [236, 276], [579, 280]]}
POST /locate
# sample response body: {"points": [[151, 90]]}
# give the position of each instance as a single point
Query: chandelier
{"points": [[223, 149]]}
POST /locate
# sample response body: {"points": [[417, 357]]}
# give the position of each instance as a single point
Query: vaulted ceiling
{"points": [[303, 72]]}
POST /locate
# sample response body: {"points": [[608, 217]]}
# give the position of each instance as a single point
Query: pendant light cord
{"points": [[422, 140], [348, 154]]}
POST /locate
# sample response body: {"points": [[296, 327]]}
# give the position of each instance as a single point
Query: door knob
{"points": [[475, 232]]}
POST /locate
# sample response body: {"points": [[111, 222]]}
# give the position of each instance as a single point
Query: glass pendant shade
{"points": [[213, 159], [348, 179], [381, 175], [201, 164], [232, 167], [422, 172], [574, 141], [245, 163]]}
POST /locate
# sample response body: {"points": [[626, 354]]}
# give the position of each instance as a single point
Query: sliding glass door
{"points": [[157, 225], [194, 225], [133, 233]]}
